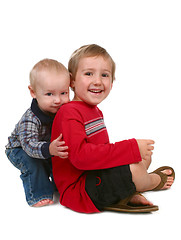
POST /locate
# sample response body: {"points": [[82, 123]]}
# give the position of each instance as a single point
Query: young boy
{"points": [[98, 174], [29, 148]]}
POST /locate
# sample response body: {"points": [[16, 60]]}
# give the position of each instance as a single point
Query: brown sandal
{"points": [[163, 176], [125, 206]]}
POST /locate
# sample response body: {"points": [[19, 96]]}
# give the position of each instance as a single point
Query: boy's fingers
{"points": [[63, 155], [150, 147], [62, 148], [61, 143], [59, 137], [149, 141]]}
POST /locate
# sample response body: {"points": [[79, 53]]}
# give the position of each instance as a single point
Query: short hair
{"points": [[92, 50], [45, 65]]}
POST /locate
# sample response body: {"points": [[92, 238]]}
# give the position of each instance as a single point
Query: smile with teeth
{"points": [[95, 90]]}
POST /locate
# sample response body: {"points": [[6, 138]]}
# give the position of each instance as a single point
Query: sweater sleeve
{"points": [[29, 139], [88, 156]]}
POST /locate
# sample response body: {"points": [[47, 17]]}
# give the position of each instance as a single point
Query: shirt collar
{"points": [[44, 118]]}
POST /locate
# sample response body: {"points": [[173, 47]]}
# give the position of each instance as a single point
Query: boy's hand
{"points": [[57, 148], [146, 148]]}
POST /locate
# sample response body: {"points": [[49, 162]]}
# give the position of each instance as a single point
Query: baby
{"points": [[29, 148]]}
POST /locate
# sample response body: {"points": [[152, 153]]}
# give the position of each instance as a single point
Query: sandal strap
{"points": [[125, 201], [163, 180], [123, 206]]}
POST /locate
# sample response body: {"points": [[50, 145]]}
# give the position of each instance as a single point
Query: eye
{"points": [[105, 75], [49, 94], [64, 93], [88, 73]]}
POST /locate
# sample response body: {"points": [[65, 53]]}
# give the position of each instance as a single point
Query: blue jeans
{"points": [[36, 175]]}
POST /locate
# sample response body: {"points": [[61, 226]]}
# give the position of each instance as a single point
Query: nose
{"points": [[57, 99], [97, 80]]}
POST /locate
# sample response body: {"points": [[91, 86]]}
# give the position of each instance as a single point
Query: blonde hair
{"points": [[45, 65], [91, 50]]}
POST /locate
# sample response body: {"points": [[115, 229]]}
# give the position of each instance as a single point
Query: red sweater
{"points": [[86, 136]]}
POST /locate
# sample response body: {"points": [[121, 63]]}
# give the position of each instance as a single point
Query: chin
{"points": [[94, 102]]}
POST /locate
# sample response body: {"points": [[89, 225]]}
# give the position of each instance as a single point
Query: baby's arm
{"points": [[31, 144], [57, 148]]}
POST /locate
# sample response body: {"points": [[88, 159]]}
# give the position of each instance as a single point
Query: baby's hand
{"points": [[145, 147], [56, 148]]}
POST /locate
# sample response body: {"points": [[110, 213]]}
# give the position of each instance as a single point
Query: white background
{"points": [[144, 39]]}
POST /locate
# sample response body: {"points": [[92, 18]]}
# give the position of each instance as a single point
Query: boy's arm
{"points": [[88, 156]]}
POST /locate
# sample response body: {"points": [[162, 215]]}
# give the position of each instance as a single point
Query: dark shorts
{"points": [[108, 186]]}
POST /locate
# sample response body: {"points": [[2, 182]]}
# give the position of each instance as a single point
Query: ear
{"points": [[72, 82], [32, 92]]}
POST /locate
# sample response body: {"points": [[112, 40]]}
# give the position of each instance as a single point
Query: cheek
{"points": [[65, 99], [79, 88], [108, 86], [45, 101]]}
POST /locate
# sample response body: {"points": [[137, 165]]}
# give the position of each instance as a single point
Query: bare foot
{"points": [[170, 180], [43, 202], [140, 200]]}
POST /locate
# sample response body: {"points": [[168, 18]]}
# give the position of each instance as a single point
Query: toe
{"points": [[167, 171], [43, 202], [51, 202]]}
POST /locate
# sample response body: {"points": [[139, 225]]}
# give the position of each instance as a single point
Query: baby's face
{"points": [[93, 80], [52, 90]]}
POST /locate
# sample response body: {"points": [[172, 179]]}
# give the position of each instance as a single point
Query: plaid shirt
{"points": [[32, 133]]}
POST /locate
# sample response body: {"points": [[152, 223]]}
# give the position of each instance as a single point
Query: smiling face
{"points": [[93, 80], [51, 90]]}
